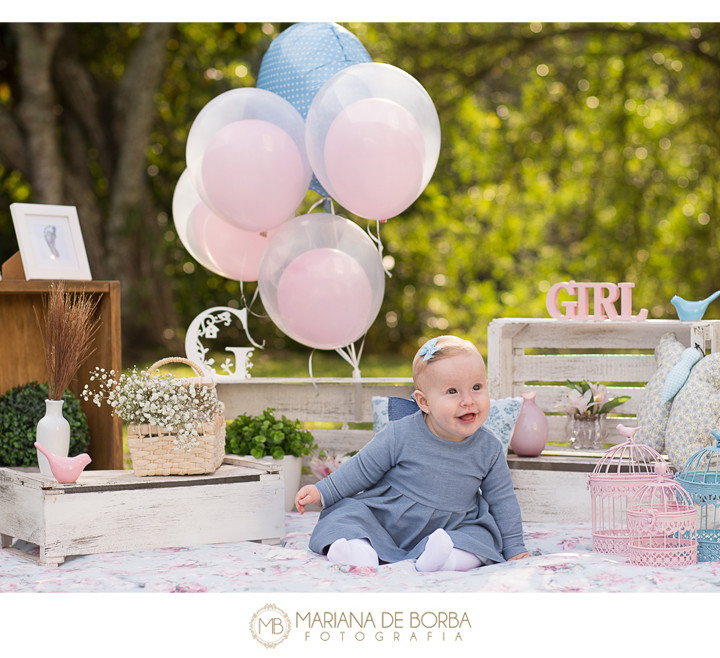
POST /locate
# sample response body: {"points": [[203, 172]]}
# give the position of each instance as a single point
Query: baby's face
{"points": [[453, 393]]}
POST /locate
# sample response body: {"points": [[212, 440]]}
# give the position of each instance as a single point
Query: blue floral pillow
{"points": [[501, 419], [380, 413], [653, 413], [695, 411]]}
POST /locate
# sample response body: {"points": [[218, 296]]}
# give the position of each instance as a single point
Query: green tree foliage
{"points": [[585, 152], [569, 151]]}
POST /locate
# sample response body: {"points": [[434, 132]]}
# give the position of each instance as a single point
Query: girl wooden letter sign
{"points": [[604, 297]]}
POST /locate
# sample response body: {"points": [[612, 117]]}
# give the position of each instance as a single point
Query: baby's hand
{"points": [[519, 556], [308, 495]]}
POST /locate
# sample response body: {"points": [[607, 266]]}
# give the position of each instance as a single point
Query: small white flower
{"points": [[159, 400]]}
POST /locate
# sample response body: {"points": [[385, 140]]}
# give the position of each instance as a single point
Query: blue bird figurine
{"points": [[716, 436], [689, 311]]}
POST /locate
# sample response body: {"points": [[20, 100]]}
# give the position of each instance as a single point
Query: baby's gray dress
{"points": [[407, 482]]}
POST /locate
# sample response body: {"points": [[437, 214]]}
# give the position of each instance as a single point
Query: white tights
{"points": [[357, 552], [439, 554]]}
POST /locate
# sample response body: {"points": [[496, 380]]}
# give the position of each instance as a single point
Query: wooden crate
{"points": [[540, 355], [526, 354], [22, 360], [107, 511]]}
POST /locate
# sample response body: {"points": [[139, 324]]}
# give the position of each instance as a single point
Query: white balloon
{"points": [[360, 83], [321, 280], [247, 158], [185, 201]]}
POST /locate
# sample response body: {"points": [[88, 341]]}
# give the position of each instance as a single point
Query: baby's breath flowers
{"points": [[160, 399]]}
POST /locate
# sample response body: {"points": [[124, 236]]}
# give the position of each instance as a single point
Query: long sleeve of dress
{"points": [[497, 490], [363, 470]]}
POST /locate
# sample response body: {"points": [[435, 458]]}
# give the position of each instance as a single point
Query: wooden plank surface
{"points": [[590, 367], [552, 496], [321, 400], [556, 460], [105, 521], [542, 333], [234, 469]]}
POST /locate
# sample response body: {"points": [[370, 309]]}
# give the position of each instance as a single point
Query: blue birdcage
{"points": [[701, 479]]}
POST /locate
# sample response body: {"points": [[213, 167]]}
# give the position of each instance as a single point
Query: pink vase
{"points": [[531, 429]]}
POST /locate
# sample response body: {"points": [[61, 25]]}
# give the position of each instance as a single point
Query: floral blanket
{"points": [[562, 561]]}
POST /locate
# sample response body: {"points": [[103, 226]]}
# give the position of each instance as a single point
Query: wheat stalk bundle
{"points": [[67, 330]]}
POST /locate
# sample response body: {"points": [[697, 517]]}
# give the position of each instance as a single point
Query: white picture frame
{"points": [[50, 241]]}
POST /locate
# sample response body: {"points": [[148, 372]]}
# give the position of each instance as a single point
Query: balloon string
{"points": [[250, 338], [243, 299], [352, 357], [247, 305], [327, 201], [310, 371], [378, 241]]}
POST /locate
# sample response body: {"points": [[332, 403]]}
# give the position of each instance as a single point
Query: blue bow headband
{"points": [[429, 350]]}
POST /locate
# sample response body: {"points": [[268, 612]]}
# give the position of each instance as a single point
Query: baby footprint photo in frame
{"points": [[50, 241]]}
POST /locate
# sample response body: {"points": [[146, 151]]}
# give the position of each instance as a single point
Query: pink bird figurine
{"points": [[65, 469], [627, 432]]}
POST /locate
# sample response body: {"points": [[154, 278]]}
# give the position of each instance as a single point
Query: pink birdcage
{"points": [[662, 524], [617, 476]]}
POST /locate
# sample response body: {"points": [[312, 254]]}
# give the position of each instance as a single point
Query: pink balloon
{"points": [[374, 155], [233, 253], [253, 175], [324, 298]]}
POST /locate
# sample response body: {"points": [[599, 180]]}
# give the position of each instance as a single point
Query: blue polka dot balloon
{"points": [[302, 59]]}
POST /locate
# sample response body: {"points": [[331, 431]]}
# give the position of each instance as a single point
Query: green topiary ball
{"points": [[20, 410]]}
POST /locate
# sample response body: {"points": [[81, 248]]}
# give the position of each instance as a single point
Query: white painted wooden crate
{"points": [[107, 511], [541, 355], [527, 354]]}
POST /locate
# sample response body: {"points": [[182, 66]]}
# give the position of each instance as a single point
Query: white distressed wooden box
{"points": [[107, 511], [528, 354]]}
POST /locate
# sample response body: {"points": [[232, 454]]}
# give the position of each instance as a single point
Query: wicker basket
{"points": [[152, 448]]}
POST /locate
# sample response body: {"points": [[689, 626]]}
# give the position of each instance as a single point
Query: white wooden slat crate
{"points": [[526, 354], [107, 511], [541, 355]]}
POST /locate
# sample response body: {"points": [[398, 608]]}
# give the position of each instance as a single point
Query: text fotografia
{"points": [[415, 626]]}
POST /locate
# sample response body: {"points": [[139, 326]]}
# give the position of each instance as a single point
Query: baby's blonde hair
{"points": [[445, 347]]}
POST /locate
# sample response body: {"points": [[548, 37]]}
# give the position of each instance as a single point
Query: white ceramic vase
{"points": [[291, 471], [53, 433]]}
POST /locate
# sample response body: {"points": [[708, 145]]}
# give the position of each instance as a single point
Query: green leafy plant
{"points": [[266, 436], [20, 410]]}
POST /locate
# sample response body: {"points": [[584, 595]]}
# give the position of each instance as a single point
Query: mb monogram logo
{"points": [[270, 626]]}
